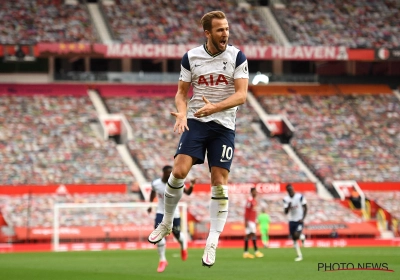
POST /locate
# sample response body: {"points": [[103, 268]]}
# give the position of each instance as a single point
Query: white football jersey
{"points": [[296, 211], [213, 76], [159, 187]]}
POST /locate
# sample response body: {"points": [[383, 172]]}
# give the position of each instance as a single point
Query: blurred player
{"points": [[295, 205], [263, 220], [157, 189], [250, 215], [219, 75]]}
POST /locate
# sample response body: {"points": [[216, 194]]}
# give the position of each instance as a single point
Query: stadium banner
{"points": [[43, 89], [63, 48], [62, 189], [253, 52], [379, 186], [159, 51], [82, 232], [310, 229], [262, 188], [230, 230], [387, 54]]}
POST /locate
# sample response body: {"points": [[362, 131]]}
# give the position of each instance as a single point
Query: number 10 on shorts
{"points": [[227, 153]]}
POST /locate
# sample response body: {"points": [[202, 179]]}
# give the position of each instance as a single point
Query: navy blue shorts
{"points": [[176, 224], [217, 140], [295, 227]]}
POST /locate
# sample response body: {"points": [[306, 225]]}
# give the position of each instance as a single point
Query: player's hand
{"points": [[149, 210], [300, 221], [289, 205], [208, 109], [193, 181], [180, 122]]}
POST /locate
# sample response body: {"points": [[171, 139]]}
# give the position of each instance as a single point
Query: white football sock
{"points": [[182, 241], [161, 246], [172, 195], [297, 247], [218, 212]]}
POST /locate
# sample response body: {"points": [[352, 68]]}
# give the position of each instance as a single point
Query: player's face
{"points": [[218, 37], [290, 191]]}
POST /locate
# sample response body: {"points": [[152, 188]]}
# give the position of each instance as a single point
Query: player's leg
{"points": [[302, 238], [219, 205], [161, 246], [220, 149], [247, 236], [295, 230], [264, 238], [176, 230], [174, 189], [257, 253], [190, 151]]}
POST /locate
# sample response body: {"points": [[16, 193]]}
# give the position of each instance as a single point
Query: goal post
{"points": [[127, 217]]}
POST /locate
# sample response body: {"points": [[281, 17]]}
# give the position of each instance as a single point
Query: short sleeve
{"points": [[185, 74], [241, 70], [303, 200]]}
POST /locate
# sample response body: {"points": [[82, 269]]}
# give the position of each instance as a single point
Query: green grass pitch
{"points": [[142, 265]]}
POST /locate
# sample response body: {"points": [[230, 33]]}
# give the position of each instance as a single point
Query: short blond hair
{"points": [[206, 20]]}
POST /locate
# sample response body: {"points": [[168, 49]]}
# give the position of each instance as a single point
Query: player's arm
{"points": [[246, 213], [189, 190], [181, 107], [236, 99], [286, 206], [304, 213], [304, 205], [152, 197]]}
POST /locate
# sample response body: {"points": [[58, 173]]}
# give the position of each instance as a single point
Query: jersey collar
{"points": [[207, 51]]}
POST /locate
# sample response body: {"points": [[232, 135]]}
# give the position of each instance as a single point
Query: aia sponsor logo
{"points": [[212, 80]]}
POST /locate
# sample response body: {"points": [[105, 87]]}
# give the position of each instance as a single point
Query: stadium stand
{"points": [[48, 140], [336, 139], [257, 158], [174, 22], [354, 24], [32, 21], [387, 200]]}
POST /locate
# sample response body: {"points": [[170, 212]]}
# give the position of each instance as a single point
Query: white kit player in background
{"points": [[157, 190], [295, 206], [219, 75]]}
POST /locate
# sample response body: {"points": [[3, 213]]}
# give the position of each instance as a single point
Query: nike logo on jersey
{"points": [[180, 145], [197, 65]]}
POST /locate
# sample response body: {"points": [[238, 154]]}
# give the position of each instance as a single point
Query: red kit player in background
{"points": [[250, 217]]}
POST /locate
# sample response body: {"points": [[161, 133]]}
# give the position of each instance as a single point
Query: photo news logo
{"points": [[342, 266]]}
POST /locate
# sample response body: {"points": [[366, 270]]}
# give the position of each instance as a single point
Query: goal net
{"points": [[91, 225]]}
